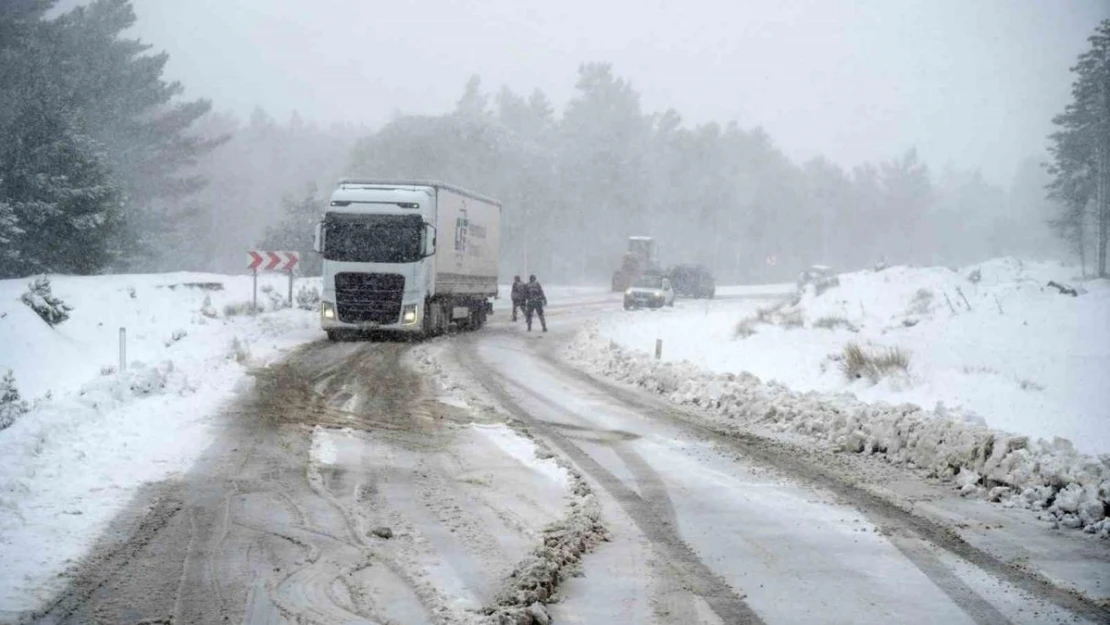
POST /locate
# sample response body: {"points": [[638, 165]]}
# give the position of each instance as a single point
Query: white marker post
{"points": [[290, 287], [658, 348], [254, 297], [122, 349]]}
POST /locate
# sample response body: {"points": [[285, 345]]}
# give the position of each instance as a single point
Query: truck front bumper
{"points": [[409, 321]]}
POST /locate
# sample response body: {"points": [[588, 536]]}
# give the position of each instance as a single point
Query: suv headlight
{"points": [[327, 310], [409, 314]]}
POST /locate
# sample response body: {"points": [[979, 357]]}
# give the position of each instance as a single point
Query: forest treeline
{"points": [[105, 166]]}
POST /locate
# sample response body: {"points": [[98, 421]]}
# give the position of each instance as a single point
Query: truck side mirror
{"points": [[318, 240], [429, 240]]}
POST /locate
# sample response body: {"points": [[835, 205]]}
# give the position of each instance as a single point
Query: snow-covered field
{"points": [[91, 436], [1006, 349]]}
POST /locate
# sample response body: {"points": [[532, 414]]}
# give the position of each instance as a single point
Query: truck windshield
{"points": [[373, 238]]}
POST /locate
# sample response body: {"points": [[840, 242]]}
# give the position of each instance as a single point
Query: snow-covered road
{"points": [[483, 478]]}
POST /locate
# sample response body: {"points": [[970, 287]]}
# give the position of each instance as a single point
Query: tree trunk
{"points": [[1081, 245], [1103, 207], [1102, 184]]}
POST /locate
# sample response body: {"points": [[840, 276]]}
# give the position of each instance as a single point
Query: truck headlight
{"points": [[628, 292], [327, 310], [409, 314], [658, 294]]}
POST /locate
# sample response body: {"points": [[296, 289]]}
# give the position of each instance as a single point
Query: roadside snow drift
{"points": [[1072, 489], [992, 342], [91, 434]]}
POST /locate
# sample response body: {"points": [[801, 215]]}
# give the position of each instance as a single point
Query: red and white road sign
{"points": [[272, 261]]}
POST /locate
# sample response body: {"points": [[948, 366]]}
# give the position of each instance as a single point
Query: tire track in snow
{"points": [[722, 599]]}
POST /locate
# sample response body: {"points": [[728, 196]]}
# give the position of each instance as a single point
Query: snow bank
{"points": [[92, 435], [990, 340], [1070, 488]]}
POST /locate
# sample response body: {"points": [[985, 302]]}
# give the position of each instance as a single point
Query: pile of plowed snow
{"points": [[992, 342], [91, 435], [1069, 488]]}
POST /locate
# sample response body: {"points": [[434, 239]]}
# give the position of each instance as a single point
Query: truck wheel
{"points": [[333, 335]]}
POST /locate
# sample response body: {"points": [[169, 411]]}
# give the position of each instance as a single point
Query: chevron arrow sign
{"points": [[272, 261]]}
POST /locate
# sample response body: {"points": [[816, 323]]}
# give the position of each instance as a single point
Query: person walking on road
{"points": [[517, 295], [534, 301]]}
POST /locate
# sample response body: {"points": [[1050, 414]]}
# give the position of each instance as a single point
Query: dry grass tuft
{"points": [[832, 323], [791, 318], [875, 364], [240, 308]]}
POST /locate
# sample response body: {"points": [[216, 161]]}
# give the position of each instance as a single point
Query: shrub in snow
{"points": [[240, 350], [764, 314], [207, 309], [975, 276], [832, 323], [942, 444], [144, 380], [175, 337], [12, 406], [308, 297], [277, 302], [744, 328], [858, 363], [241, 308], [39, 297], [791, 318]]}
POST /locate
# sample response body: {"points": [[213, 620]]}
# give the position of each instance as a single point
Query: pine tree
{"points": [[1081, 152], [60, 206], [12, 406], [145, 127]]}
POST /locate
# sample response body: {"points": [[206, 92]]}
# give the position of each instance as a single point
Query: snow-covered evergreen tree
{"points": [[48, 306], [92, 140], [1081, 155], [12, 406]]}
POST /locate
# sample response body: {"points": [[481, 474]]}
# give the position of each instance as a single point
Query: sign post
{"points": [[272, 261]]}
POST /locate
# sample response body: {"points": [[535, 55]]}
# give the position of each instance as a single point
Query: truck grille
{"points": [[369, 297]]}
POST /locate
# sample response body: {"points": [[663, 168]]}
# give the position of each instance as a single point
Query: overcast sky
{"points": [[973, 83]]}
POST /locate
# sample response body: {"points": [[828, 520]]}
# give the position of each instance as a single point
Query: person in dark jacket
{"points": [[534, 301], [517, 295]]}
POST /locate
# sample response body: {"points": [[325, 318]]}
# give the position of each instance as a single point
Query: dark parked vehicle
{"points": [[692, 281]]}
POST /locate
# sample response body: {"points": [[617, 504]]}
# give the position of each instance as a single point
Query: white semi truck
{"points": [[407, 256]]}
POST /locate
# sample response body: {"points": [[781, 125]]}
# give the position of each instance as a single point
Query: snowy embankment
{"points": [[997, 359], [91, 436]]}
